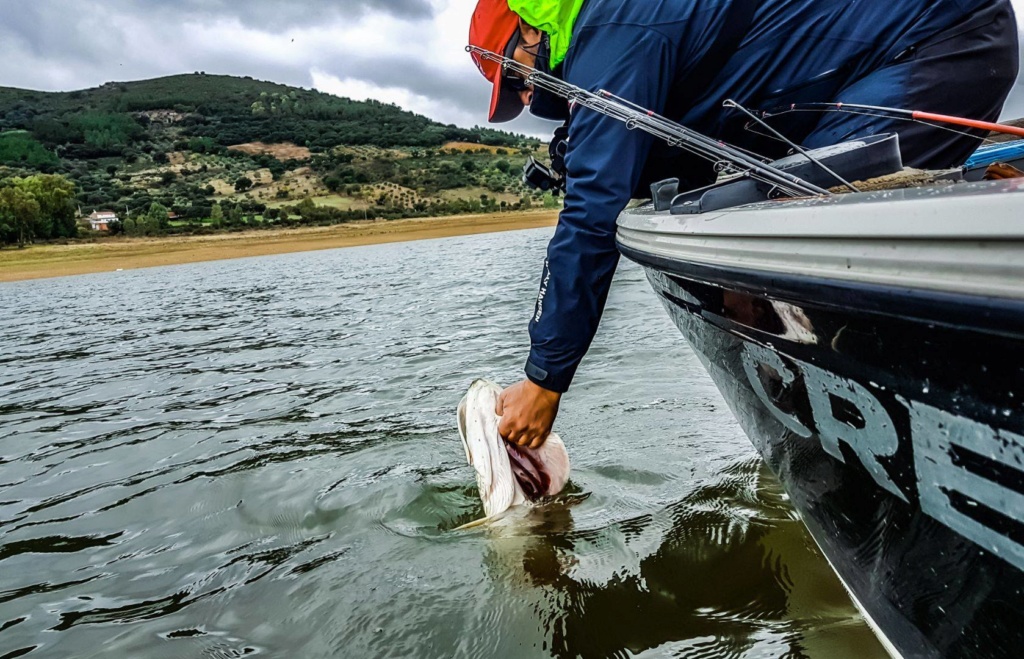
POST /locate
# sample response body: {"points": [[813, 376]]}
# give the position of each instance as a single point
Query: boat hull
{"points": [[893, 416]]}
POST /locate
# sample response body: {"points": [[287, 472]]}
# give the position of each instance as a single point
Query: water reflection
{"points": [[722, 573]]}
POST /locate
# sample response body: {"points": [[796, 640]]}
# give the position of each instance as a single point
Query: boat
{"points": [[865, 324], [871, 346]]}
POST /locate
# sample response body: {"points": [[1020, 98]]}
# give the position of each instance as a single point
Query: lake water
{"points": [[259, 457]]}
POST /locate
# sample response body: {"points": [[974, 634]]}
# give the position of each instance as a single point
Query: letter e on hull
{"points": [[965, 472]]}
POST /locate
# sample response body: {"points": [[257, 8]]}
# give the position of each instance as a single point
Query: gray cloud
{"points": [[61, 45], [407, 49], [275, 14], [91, 32], [41, 22], [417, 75]]}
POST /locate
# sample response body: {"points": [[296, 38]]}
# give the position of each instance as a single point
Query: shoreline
{"points": [[47, 261]]}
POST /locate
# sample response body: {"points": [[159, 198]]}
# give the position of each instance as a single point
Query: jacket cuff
{"points": [[549, 378]]}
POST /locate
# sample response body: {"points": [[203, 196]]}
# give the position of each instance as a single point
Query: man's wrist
{"points": [[540, 390], [545, 380]]}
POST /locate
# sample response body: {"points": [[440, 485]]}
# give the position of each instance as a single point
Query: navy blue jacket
{"points": [[648, 51]]}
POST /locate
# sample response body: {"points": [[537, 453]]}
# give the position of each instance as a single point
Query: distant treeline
{"points": [[253, 215]]}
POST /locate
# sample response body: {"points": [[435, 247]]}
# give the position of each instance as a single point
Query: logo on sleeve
{"points": [[543, 292]]}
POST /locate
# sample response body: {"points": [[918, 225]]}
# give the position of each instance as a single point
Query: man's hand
{"points": [[527, 413]]}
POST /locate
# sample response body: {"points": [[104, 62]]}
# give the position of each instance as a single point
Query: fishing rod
{"points": [[909, 115], [724, 156], [729, 103]]}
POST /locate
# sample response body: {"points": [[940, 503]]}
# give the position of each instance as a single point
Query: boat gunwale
{"points": [[965, 240], [932, 212], [988, 314]]}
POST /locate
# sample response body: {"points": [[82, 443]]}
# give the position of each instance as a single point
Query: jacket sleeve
{"points": [[604, 163]]}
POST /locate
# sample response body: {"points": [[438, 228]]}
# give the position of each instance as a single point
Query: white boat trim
{"points": [[963, 238]]}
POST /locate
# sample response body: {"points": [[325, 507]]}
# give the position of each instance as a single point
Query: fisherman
{"points": [[681, 59]]}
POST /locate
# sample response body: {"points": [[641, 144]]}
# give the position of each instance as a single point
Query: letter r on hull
{"points": [[875, 438]]}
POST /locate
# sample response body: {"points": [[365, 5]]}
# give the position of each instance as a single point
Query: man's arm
{"points": [[604, 163]]}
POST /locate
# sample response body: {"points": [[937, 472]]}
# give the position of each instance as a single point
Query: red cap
{"points": [[492, 27]]}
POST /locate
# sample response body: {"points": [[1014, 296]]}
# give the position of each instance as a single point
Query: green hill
{"points": [[233, 110], [255, 150]]}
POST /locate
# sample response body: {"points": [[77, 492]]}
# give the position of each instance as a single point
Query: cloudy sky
{"points": [[409, 52]]}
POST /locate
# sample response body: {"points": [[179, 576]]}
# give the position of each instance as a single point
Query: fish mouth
{"points": [[528, 471]]}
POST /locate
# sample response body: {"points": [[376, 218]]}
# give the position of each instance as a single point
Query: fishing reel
{"points": [[538, 176]]}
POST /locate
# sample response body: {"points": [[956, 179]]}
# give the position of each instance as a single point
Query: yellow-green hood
{"points": [[553, 17]]}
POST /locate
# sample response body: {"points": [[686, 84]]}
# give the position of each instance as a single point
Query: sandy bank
{"points": [[40, 261]]}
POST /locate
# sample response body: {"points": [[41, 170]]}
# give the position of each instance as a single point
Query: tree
{"points": [[277, 169], [37, 207], [147, 223], [306, 208], [19, 213], [332, 183], [495, 184], [243, 184], [19, 148], [234, 216], [56, 198], [216, 215], [133, 224], [156, 218]]}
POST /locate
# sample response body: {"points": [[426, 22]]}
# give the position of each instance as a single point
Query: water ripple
{"points": [[259, 457]]}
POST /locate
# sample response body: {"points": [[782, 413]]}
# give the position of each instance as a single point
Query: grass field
{"points": [[339, 202], [469, 146], [283, 151]]}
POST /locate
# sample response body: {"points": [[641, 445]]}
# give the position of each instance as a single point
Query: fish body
{"points": [[507, 475]]}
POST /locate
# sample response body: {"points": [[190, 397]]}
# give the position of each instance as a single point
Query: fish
{"points": [[507, 475]]}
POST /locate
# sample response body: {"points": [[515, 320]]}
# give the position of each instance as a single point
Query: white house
{"points": [[100, 220]]}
